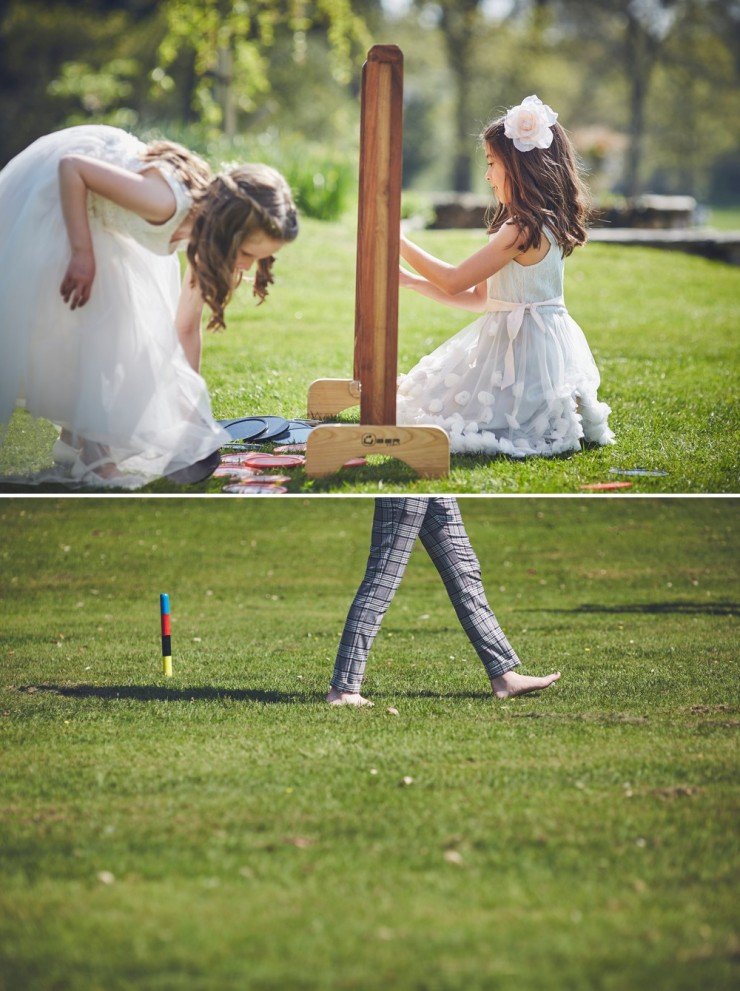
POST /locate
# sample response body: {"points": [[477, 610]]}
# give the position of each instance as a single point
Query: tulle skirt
{"points": [[549, 407], [112, 372]]}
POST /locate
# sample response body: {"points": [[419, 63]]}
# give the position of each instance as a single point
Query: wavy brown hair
{"points": [[545, 187], [188, 168], [227, 208], [247, 200]]}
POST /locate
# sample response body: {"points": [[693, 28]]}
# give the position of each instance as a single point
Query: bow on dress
{"points": [[514, 320]]}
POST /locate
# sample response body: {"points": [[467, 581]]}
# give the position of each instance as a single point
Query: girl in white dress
{"points": [[96, 333], [521, 379]]}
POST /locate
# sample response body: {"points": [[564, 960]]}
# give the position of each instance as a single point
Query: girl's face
{"points": [[496, 177], [254, 248]]}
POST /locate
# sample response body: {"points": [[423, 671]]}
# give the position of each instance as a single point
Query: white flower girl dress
{"points": [[112, 372], [520, 380]]}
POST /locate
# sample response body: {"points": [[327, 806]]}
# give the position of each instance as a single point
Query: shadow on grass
{"points": [[156, 693], [428, 694], [396, 472], [680, 606]]}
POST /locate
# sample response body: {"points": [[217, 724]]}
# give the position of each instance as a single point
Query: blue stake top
{"points": [[164, 603]]}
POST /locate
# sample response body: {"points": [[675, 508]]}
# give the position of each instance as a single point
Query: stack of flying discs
{"points": [[243, 464], [267, 430]]}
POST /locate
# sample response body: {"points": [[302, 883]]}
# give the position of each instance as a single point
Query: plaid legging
{"points": [[396, 525]]}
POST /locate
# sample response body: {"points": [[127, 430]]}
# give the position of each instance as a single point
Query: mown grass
{"points": [[582, 839], [724, 218], [662, 326]]}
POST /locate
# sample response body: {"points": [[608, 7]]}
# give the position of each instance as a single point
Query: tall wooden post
{"points": [[378, 226], [425, 448]]}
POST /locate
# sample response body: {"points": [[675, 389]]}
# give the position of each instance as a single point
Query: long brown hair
{"points": [[227, 208], [246, 200], [188, 168], [545, 187]]}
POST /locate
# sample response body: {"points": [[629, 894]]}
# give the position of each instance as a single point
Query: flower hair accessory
{"points": [[529, 124]]}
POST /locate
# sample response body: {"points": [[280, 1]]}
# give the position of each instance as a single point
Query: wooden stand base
{"points": [[327, 397], [425, 449]]}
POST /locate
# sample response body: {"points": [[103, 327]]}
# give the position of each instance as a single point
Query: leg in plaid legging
{"points": [[396, 525]]}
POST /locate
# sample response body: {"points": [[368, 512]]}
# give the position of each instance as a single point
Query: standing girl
{"points": [[521, 379], [96, 334]]}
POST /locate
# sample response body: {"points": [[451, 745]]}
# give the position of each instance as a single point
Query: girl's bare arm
{"points": [[470, 299], [188, 320], [146, 194], [454, 279]]}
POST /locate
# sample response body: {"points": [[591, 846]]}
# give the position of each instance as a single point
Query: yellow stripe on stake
{"points": [[167, 666]]}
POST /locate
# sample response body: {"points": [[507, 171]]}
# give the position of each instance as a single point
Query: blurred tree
{"points": [[648, 24], [293, 88], [63, 63], [694, 95], [459, 22], [679, 62], [230, 41], [632, 33]]}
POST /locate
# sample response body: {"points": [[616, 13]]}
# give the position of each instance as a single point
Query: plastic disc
{"points": [[198, 472], [238, 460], [245, 428], [289, 449], [254, 489], [263, 480], [606, 486], [274, 460], [297, 432], [275, 426], [240, 472], [649, 472]]}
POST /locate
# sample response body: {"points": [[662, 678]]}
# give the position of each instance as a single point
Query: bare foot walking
{"points": [[335, 697], [511, 684]]}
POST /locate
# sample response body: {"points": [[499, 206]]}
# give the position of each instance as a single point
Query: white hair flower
{"points": [[529, 124]]}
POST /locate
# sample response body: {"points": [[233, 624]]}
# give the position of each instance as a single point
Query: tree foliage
{"points": [[281, 77], [230, 41]]}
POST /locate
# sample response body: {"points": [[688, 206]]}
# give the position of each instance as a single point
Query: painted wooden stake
{"points": [[164, 613]]}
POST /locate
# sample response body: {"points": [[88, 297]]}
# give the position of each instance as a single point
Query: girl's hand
{"points": [[403, 244], [406, 279], [78, 279]]}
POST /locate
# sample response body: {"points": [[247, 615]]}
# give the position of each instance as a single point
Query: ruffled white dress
{"points": [[112, 372], [520, 380]]}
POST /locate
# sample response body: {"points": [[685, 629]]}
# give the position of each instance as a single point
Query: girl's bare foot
{"points": [[335, 697], [510, 684]]}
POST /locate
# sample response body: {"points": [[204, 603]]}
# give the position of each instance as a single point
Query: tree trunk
{"points": [[640, 61], [187, 87], [226, 92], [462, 165], [458, 23]]}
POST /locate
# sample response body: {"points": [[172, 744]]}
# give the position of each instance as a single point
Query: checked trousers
{"points": [[396, 525]]}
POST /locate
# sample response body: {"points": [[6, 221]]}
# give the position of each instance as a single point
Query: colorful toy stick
{"points": [[164, 611]]}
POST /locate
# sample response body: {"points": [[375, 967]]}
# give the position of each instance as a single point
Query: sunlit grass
{"points": [[662, 326], [225, 829]]}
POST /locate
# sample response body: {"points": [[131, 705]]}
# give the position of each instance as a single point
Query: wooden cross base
{"points": [[327, 397], [329, 446]]}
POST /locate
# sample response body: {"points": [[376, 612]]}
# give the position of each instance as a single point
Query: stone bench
{"points": [[468, 210], [650, 221], [721, 246]]}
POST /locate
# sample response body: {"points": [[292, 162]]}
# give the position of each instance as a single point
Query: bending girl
{"points": [[97, 334]]}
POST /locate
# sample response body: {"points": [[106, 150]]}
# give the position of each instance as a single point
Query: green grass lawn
{"points": [[582, 839], [662, 326], [724, 218]]}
